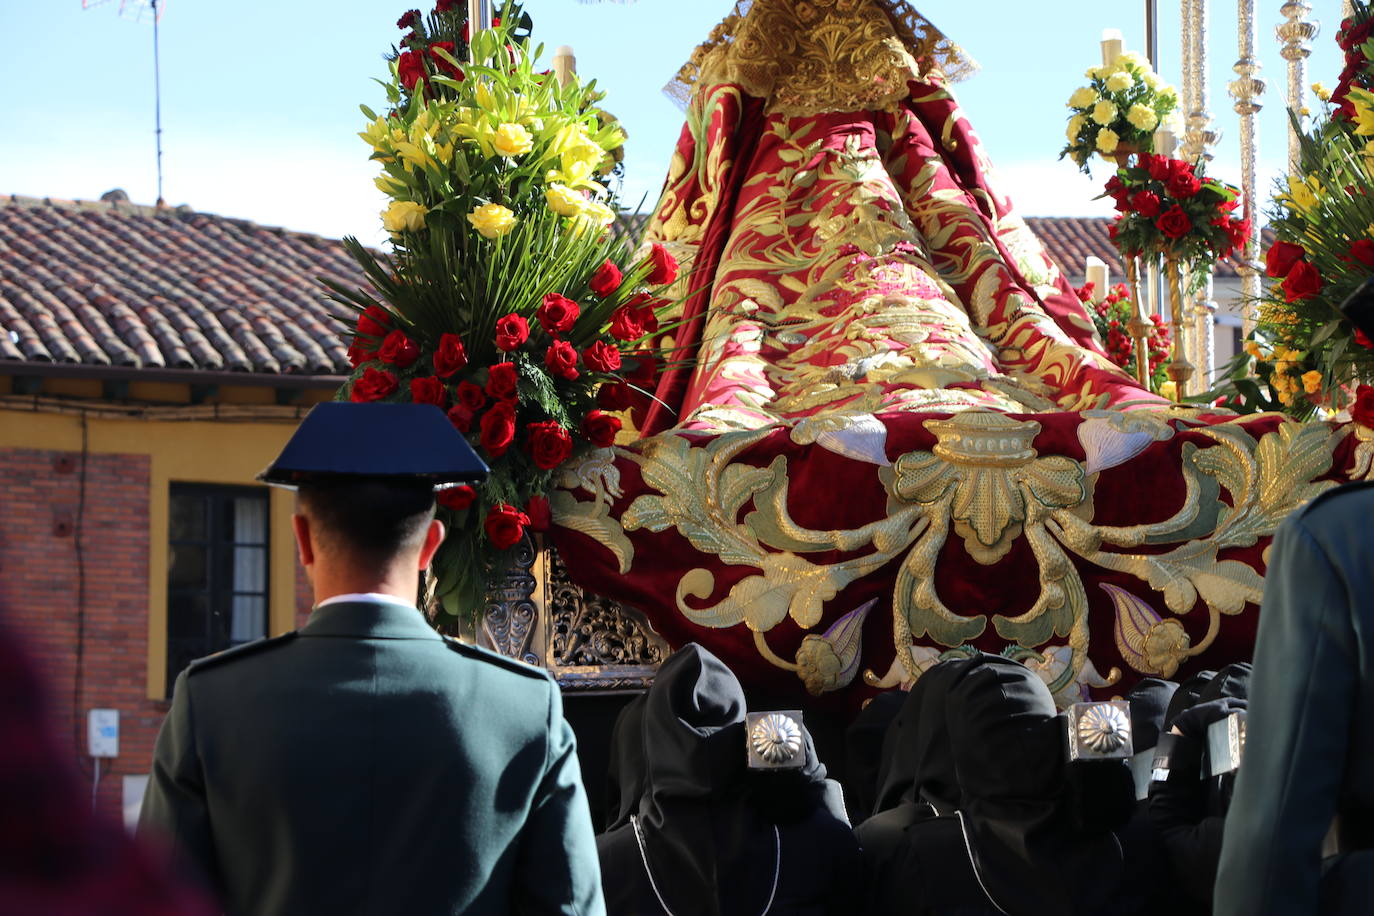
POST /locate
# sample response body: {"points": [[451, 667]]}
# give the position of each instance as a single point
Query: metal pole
{"points": [[1152, 34], [1296, 34]]}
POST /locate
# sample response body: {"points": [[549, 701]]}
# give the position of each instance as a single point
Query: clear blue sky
{"points": [[260, 96]]}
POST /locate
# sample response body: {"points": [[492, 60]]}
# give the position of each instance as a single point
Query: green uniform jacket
{"points": [[365, 764], [1309, 748]]}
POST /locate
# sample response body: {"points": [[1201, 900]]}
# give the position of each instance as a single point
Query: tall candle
{"points": [[1165, 142], [1111, 46], [477, 19], [564, 64], [1096, 272]]}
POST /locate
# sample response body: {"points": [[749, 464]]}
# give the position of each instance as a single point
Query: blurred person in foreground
{"points": [[57, 856], [366, 764], [1309, 752]]}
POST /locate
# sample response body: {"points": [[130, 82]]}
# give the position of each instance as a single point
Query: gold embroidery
{"points": [[823, 55]]}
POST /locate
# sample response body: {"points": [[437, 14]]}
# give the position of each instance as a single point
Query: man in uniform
{"points": [[1309, 751], [366, 764]]}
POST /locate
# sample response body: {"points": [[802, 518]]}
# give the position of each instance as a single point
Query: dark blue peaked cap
{"points": [[340, 440]]}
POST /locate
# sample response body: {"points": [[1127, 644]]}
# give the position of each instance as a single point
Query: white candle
{"points": [[564, 64], [1111, 46], [1165, 143], [1096, 272], [477, 19]]}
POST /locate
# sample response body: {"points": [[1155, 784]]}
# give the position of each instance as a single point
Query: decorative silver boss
{"points": [[1100, 731], [775, 740]]}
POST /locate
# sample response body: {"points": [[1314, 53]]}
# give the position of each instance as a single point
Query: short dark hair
{"points": [[372, 518]]}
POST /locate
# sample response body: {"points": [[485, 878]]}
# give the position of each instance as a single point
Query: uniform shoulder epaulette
{"points": [[477, 653], [1344, 489], [234, 653]]}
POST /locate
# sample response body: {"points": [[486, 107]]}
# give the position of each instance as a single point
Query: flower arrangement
{"points": [[1168, 207], [1112, 316], [1118, 111], [504, 300], [1304, 356]]}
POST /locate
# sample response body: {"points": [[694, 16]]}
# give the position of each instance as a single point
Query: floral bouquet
{"points": [[1168, 207], [504, 300], [1112, 317], [1304, 355], [1118, 111]]}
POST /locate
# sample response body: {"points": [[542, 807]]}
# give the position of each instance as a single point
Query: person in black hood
{"points": [[915, 860], [1188, 811], [864, 743], [626, 776], [1146, 886], [708, 836], [1031, 851]]}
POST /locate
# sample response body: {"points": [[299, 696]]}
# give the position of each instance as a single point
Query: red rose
{"points": [[1238, 230], [1146, 203], [471, 396], [374, 322], [498, 428], [541, 517], [456, 498], [561, 360], [1281, 257], [1363, 340], [558, 314], [408, 20], [1183, 184], [625, 324], [662, 266], [460, 415], [644, 368], [1303, 282], [1174, 223], [601, 357], [615, 396], [511, 331], [1363, 251], [399, 350], [645, 309], [1160, 168], [443, 65], [410, 67], [373, 385], [505, 525], [428, 390], [606, 280], [549, 444], [359, 352], [443, 6], [1114, 228], [501, 379], [1117, 190], [450, 357], [600, 428], [1362, 410]]}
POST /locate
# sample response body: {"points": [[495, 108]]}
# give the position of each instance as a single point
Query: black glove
{"points": [[1194, 720]]}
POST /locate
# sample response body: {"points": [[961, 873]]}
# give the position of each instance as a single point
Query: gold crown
{"points": [[984, 437]]}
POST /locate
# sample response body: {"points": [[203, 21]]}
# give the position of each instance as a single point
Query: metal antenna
{"points": [[157, 102]]}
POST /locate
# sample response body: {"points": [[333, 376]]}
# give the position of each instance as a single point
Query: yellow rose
{"points": [[1082, 97], [1107, 140], [1104, 112], [1075, 125], [1142, 117], [596, 213], [1321, 92], [563, 200], [511, 140], [404, 216], [492, 220], [1120, 81], [1312, 381]]}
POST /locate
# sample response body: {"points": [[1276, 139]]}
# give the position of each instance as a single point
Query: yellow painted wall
{"points": [[221, 452]]}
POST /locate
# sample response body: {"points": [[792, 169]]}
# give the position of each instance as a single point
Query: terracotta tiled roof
{"points": [[1071, 239], [115, 284]]}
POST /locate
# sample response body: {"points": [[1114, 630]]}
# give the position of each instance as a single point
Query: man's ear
{"points": [[301, 526], [434, 536]]}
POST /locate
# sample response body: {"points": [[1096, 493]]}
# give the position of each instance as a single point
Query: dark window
{"points": [[216, 571]]}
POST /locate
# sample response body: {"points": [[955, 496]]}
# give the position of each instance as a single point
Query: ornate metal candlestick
{"points": [[1247, 89], [1139, 324], [1296, 34], [1180, 369]]}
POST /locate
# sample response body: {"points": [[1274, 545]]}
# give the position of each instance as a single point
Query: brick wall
{"points": [[39, 594]]}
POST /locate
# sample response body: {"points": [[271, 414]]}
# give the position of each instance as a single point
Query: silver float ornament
{"points": [[1100, 731], [775, 740]]}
